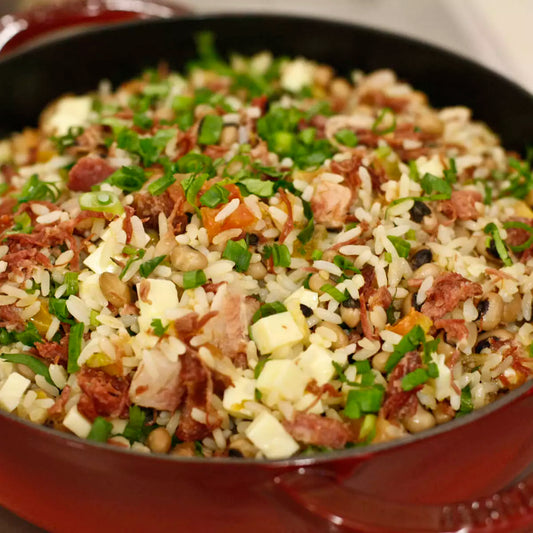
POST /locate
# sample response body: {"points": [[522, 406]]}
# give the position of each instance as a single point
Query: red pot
{"points": [[470, 475]]}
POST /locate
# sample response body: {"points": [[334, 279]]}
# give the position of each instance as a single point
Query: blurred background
{"points": [[495, 32]]}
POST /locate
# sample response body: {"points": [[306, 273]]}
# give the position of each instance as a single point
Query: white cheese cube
{"points": [[161, 297], [316, 362], [114, 239], [242, 390], [442, 383], [267, 433], [304, 296], [12, 391], [308, 402], [274, 331], [297, 74], [281, 379], [91, 293], [69, 111], [77, 423]]}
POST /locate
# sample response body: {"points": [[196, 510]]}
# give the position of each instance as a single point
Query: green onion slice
{"points": [[34, 364]]}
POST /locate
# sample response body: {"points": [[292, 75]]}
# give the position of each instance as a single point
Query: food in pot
{"points": [[258, 258]]}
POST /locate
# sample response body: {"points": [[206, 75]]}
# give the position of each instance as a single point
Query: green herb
{"points": [[74, 347], [363, 401], [35, 189], [492, 229], [431, 183], [71, 282], [334, 292], [210, 129], [388, 257], [429, 348], [414, 379], [363, 367], [93, 319], [433, 370], [409, 342], [345, 264], [58, 308], [281, 257], [259, 367], [307, 233], [386, 111], [34, 364], [192, 186], [525, 227], [29, 336], [149, 266], [195, 163], [450, 174], [101, 202], [237, 251], [142, 121], [262, 188], [319, 108], [134, 429], [215, 196], [316, 255], [158, 327], [129, 179], [160, 185], [411, 235], [193, 278], [100, 430], [402, 247], [268, 309], [135, 255], [258, 395], [69, 139], [347, 138], [466, 402], [413, 171], [6, 337], [150, 148], [520, 179], [22, 224]]}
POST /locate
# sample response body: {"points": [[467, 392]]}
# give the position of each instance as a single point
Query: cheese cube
{"points": [[242, 390], [274, 331], [316, 362], [267, 433], [91, 293], [281, 379], [114, 238], [308, 402], [12, 391], [442, 383], [304, 296], [161, 297], [70, 111], [77, 423]]}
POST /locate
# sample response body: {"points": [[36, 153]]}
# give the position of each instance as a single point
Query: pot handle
{"points": [[321, 493], [18, 29]]}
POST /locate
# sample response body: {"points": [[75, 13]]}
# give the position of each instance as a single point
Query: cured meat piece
{"points": [[330, 203], [314, 429], [461, 205], [349, 170], [54, 352], [58, 409], [454, 328], [88, 171], [10, 317], [448, 291], [102, 394]]}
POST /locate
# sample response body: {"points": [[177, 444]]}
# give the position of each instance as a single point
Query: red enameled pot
{"points": [[471, 475]]}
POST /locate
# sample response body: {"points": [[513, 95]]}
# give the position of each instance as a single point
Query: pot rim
{"points": [[364, 451]]}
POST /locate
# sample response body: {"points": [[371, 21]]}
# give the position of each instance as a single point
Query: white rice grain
{"points": [[226, 211]]}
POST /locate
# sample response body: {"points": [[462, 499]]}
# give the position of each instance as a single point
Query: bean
{"points": [[329, 255], [512, 309], [341, 340], [442, 414], [419, 211], [316, 281], [350, 316], [420, 421], [484, 339], [490, 311], [430, 123], [241, 447], [257, 270], [25, 371], [421, 257], [115, 291], [184, 449], [186, 258], [379, 360], [159, 441], [229, 135], [429, 269], [429, 223]]}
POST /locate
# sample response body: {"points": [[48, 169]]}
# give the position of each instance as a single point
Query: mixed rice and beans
{"points": [[257, 258]]}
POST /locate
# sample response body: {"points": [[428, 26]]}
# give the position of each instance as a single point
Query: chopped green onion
{"points": [[363, 401], [368, 428], [466, 405], [386, 111], [69, 139], [268, 309], [192, 186], [158, 327], [402, 247], [433, 370], [414, 379], [129, 179], [160, 185], [193, 278], [142, 121], [100, 430], [195, 163], [362, 367], [215, 196], [262, 188], [316, 255], [29, 336], [6, 337], [281, 257], [149, 266], [334, 292], [210, 129], [237, 251], [134, 429], [22, 224], [101, 202], [259, 367], [58, 307], [525, 227], [409, 342], [71, 282], [413, 171], [35, 189], [431, 183], [34, 364], [74, 347], [492, 229], [347, 138], [135, 254], [345, 264]]}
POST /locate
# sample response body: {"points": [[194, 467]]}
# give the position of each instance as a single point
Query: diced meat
{"points": [[54, 352], [380, 298], [313, 429], [198, 383], [228, 330], [330, 203], [448, 291], [7, 204], [58, 409], [454, 328], [24, 261], [461, 205], [399, 403], [377, 98], [214, 151], [191, 324], [10, 318], [186, 141], [88, 171], [102, 394], [349, 170], [156, 383]]}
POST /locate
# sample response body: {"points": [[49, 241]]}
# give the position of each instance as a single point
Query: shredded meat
{"points": [[58, 409], [454, 328], [377, 98], [461, 205], [448, 291], [380, 298], [54, 352], [88, 171], [349, 169], [102, 394], [191, 324], [319, 431], [399, 403], [330, 203], [10, 318]]}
